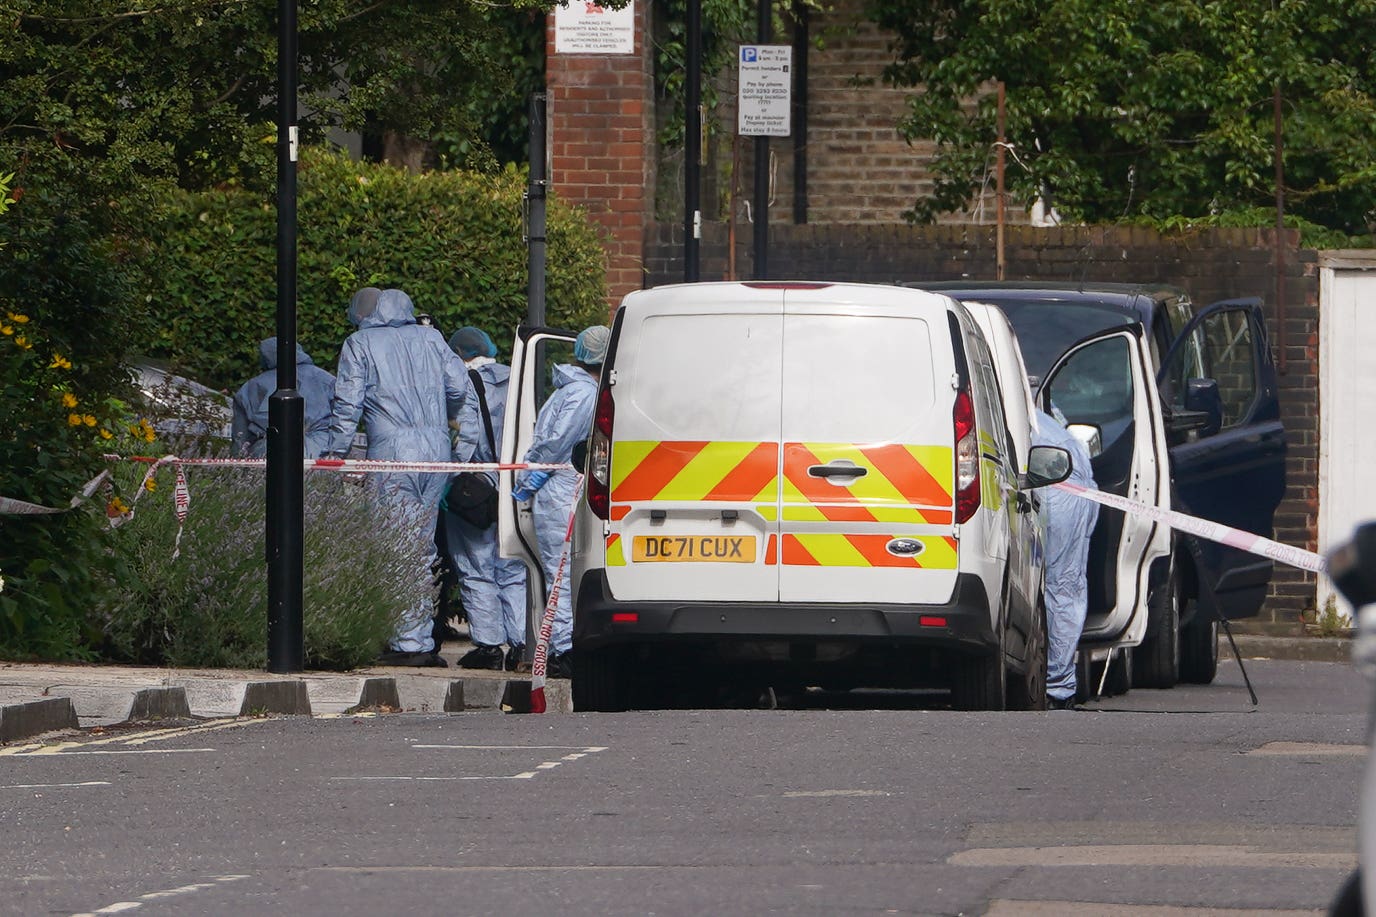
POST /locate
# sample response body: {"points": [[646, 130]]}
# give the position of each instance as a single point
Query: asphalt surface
{"points": [[1188, 799]]}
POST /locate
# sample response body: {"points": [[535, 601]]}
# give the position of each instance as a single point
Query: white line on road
{"points": [[137, 751], [1191, 855], [1004, 907], [119, 906], [515, 747], [515, 777], [50, 786]]}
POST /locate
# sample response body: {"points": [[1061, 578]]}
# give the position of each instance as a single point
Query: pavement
{"points": [[39, 698]]}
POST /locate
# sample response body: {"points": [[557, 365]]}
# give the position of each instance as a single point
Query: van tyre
{"points": [[1156, 662], [1348, 902], [1027, 689], [1199, 650], [599, 681]]}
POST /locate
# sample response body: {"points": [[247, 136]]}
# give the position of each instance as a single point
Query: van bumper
{"points": [[966, 620]]}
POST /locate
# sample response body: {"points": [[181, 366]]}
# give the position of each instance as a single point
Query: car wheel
{"points": [[1157, 660], [599, 681], [1199, 650], [1027, 691]]}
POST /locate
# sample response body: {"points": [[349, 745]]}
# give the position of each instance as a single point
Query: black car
{"points": [[1179, 408]]}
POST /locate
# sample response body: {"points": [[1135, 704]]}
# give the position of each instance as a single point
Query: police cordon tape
{"points": [[537, 669], [355, 465], [1202, 528], [13, 507]]}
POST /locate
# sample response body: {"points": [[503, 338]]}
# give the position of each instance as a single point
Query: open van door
{"points": [[534, 353], [1104, 387], [1227, 445]]}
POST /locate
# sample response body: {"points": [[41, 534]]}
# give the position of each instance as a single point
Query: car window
{"points": [[1095, 386], [1048, 329], [1231, 360]]}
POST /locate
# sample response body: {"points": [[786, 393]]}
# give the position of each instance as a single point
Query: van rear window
{"points": [[849, 379], [707, 376]]}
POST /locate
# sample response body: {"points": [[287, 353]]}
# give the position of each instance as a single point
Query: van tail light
{"points": [[600, 455], [967, 457]]}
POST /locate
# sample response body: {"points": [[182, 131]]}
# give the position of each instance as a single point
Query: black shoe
{"points": [[414, 660], [514, 656], [1062, 703], [559, 665], [482, 657]]}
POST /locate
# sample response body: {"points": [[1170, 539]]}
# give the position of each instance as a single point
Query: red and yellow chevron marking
{"points": [[694, 471], [616, 556], [905, 483], [827, 550]]}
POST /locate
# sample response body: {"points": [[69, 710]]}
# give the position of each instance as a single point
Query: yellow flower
{"points": [[150, 485], [89, 420], [22, 342], [6, 329], [68, 400], [106, 434], [144, 431], [60, 362], [17, 319], [116, 507], [74, 419]]}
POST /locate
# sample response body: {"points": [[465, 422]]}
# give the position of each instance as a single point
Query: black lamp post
{"points": [[286, 408]]}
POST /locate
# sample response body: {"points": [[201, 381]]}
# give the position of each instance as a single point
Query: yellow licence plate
{"points": [[714, 549]]}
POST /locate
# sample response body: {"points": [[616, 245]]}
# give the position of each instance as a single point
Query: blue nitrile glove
{"points": [[521, 495], [534, 480]]}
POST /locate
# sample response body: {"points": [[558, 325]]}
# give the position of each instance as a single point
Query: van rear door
{"points": [[694, 471], [868, 462]]}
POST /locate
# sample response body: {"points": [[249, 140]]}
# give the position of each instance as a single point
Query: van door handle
{"points": [[837, 471]]}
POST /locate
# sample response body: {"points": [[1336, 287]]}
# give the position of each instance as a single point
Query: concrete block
{"points": [[286, 697], [159, 704], [31, 718], [379, 692]]}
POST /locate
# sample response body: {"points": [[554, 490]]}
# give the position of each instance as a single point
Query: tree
{"points": [[1123, 109]]}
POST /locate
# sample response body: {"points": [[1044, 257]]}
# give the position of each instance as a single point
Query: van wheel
{"points": [[1199, 650], [1157, 660], [1027, 691], [599, 681]]}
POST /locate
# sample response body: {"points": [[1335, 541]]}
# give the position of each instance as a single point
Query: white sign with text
{"points": [[585, 27], [764, 104]]}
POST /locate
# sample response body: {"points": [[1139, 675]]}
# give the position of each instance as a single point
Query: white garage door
{"points": [[1347, 379]]}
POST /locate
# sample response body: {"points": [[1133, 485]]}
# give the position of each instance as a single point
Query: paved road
{"points": [[1185, 799]]}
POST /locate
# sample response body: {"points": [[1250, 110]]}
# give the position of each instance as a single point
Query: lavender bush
{"points": [[208, 607]]}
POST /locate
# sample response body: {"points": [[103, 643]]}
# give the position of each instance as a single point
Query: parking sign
{"points": [[764, 100]]}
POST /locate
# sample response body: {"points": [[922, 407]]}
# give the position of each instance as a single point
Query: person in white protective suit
{"points": [[1069, 523], [250, 426], [564, 421], [405, 383], [493, 588]]}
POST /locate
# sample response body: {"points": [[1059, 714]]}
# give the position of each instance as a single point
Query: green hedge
{"points": [[453, 240]]}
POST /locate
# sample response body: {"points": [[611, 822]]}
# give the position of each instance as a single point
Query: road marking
{"points": [[1002, 907], [50, 786], [580, 748], [823, 794], [137, 751], [544, 766], [119, 906], [1193, 855], [133, 739], [1314, 749], [525, 776]]}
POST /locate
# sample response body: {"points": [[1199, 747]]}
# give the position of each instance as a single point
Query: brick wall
{"points": [[601, 147], [1212, 265]]}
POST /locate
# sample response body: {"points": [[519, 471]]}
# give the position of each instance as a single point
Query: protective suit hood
{"points": [[564, 373], [267, 354], [394, 308]]}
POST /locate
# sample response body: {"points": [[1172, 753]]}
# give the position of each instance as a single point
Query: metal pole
{"points": [[764, 33], [692, 144], [286, 408], [1280, 233], [800, 43], [998, 185], [535, 230]]}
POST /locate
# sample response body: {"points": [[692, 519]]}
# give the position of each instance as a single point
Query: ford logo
{"points": [[904, 547]]}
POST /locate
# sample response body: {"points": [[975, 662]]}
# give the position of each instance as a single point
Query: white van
{"points": [[794, 484]]}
